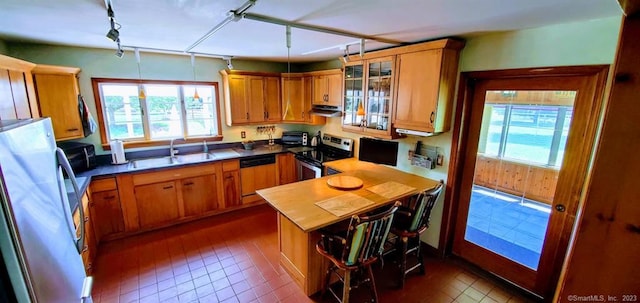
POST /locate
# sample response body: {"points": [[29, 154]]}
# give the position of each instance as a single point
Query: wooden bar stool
{"points": [[355, 250], [409, 223]]}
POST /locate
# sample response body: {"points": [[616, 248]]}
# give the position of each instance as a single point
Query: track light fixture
{"points": [[114, 33], [119, 50], [229, 64]]}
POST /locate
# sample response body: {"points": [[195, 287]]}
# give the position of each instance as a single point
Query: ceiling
{"points": [[177, 24]]}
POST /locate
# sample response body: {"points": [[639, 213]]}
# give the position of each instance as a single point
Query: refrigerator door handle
{"points": [[64, 164]]}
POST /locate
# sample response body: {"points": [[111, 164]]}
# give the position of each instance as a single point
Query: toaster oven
{"points": [[81, 156]]}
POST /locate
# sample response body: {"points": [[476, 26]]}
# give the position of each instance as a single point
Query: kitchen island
{"points": [[300, 217]]}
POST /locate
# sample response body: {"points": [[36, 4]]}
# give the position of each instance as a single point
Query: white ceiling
{"points": [[177, 24]]}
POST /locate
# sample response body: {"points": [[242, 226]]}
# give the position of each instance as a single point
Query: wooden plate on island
{"points": [[344, 182]]}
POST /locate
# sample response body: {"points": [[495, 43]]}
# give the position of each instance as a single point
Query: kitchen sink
{"points": [[225, 153], [197, 157], [154, 162]]}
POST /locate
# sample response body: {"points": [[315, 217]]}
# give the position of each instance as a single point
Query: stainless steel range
{"points": [[310, 159]]}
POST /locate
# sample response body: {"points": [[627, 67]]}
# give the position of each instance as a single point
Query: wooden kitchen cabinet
{"points": [[105, 208], [57, 91], [255, 178], [251, 97], [89, 250], [231, 183], [157, 203], [164, 197], [17, 93], [297, 89], [287, 172], [368, 97], [199, 195], [426, 86], [327, 88]]}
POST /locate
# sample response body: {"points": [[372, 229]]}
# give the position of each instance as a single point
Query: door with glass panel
{"points": [[524, 165]]}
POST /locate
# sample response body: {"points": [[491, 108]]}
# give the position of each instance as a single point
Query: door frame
{"points": [[463, 115]]}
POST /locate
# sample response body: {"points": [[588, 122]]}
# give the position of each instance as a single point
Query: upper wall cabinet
{"points": [[368, 97], [296, 90], [327, 87], [426, 86], [17, 94], [251, 97], [408, 87], [57, 90]]}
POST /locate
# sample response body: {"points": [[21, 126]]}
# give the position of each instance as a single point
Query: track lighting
{"points": [[229, 64], [119, 51]]}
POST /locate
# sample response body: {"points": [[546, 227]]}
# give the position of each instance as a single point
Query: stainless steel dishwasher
{"points": [[257, 172]]}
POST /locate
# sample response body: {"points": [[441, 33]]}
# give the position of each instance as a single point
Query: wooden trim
{"points": [[11, 63], [54, 69], [452, 214], [630, 7], [228, 72], [149, 143], [436, 44], [605, 245]]}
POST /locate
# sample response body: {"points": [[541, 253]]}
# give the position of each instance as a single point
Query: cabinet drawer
{"points": [[103, 185], [173, 174], [230, 165]]}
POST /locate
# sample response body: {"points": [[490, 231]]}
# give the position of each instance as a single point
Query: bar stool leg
{"points": [[373, 284], [347, 286], [403, 261]]}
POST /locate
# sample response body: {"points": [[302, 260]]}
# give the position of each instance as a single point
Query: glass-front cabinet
{"points": [[368, 96]]}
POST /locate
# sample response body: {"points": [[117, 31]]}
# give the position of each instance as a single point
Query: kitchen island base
{"points": [[298, 255]]}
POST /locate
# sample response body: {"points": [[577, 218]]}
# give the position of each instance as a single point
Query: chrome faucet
{"points": [[172, 151]]}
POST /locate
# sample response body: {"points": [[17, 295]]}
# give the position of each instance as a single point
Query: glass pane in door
{"points": [[353, 96], [520, 153]]}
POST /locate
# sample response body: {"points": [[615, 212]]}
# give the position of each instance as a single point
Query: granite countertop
{"points": [[214, 155]]}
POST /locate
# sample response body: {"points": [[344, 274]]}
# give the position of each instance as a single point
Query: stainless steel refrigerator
{"points": [[39, 242]]}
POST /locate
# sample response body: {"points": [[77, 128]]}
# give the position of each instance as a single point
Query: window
{"points": [[168, 111], [527, 126]]}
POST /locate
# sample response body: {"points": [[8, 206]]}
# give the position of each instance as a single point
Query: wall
{"points": [[3, 48], [104, 64], [580, 43]]}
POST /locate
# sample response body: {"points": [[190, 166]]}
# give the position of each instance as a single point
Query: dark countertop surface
{"points": [[215, 155]]}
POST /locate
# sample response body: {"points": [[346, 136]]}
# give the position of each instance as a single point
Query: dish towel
{"points": [[89, 125]]}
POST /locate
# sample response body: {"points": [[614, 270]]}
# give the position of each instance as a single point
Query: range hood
{"points": [[405, 131], [326, 110]]}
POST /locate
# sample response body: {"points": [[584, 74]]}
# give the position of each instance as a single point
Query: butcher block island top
{"points": [[311, 204]]}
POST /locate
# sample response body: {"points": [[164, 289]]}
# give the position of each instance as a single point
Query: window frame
{"points": [[95, 82], [553, 149]]}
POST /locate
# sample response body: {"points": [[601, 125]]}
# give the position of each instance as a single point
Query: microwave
{"points": [[81, 156]]}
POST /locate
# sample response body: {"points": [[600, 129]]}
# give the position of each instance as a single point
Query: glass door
{"points": [[525, 161]]}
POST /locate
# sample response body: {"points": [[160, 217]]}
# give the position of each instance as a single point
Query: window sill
{"points": [[137, 144]]}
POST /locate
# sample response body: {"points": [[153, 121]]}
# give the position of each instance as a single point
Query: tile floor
{"points": [[508, 225], [234, 258]]}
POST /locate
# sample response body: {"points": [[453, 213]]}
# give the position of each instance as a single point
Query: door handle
{"points": [[560, 208]]}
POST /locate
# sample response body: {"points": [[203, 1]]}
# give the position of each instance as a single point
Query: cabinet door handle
{"points": [[85, 248], [86, 219], [228, 177], [188, 183], [247, 116], [168, 187], [302, 115], [432, 117], [109, 197], [72, 129]]}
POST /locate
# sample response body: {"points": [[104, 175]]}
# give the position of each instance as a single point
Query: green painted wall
{"points": [[578, 43], [3, 48], [102, 63]]}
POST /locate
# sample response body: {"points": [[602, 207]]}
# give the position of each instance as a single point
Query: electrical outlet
{"points": [[243, 134], [440, 160]]}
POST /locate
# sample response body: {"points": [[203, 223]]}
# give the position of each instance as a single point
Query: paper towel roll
{"points": [[117, 152]]}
